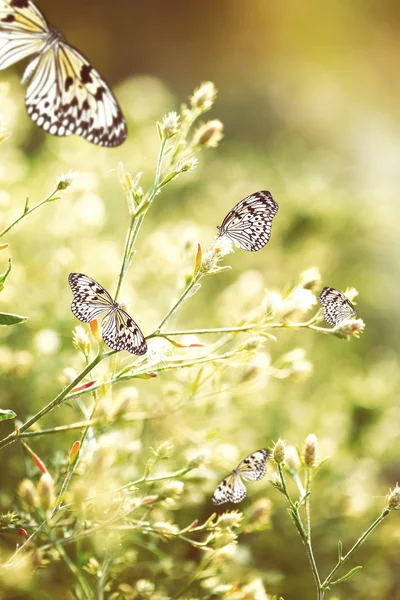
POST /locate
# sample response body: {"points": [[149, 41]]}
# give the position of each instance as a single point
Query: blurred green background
{"points": [[308, 94]]}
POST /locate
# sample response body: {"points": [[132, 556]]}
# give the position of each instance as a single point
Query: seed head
{"points": [[80, 340], [170, 125], [310, 451], [350, 328], [393, 499], [65, 181], [230, 520], [208, 135], [204, 96], [46, 491], [28, 493], [279, 451]]}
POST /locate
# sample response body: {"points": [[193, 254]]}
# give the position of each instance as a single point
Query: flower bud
{"points": [[350, 328], [80, 340], [163, 450], [310, 279], [28, 494], [65, 181], [170, 125], [310, 451], [46, 491], [144, 589], [278, 451], [95, 329], [204, 96], [230, 520], [393, 499], [197, 461], [208, 135]]}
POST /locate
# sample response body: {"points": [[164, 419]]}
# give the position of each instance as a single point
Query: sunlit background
{"points": [[308, 94]]}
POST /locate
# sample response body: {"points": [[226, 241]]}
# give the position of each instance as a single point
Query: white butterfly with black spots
{"points": [[248, 224], [335, 306], [252, 468], [92, 301], [65, 95]]}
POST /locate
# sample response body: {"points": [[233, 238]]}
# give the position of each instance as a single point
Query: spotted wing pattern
{"points": [[120, 332], [248, 224], [66, 95], [232, 488], [23, 31], [92, 301], [335, 306]]}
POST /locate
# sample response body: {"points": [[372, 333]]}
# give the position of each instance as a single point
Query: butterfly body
{"points": [[65, 95], [336, 307], [248, 224], [91, 301], [252, 468]]}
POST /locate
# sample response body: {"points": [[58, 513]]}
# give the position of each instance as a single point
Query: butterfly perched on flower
{"points": [[251, 468], [335, 306], [248, 224], [92, 301], [65, 95]]}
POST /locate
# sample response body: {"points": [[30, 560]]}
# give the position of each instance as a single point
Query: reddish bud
{"points": [[22, 532], [74, 452], [85, 386], [95, 329], [149, 499], [38, 462]]}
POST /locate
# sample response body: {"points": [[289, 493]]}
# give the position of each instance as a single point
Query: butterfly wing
{"points": [[120, 332], [91, 300], [23, 31], [231, 489], [254, 466], [249, 223], [88, 107], [335, 306]]}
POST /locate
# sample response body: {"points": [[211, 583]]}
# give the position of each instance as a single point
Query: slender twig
{"points": [[29, 211], [328, 581]]}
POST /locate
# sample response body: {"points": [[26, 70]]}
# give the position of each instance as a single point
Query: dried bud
{"points": [[218, 250], [278, 451], [188, 165], [172, 490], [204, 96], [197, 461], [80, 340], [350, 328], [170, 125], [65, 181], [230, 520], [27, 493], [144, 589], [46, 491], [310, 451], [393, 499], [310, 279], [223, 537], [208, 135], [163, 450], [292, 459]]}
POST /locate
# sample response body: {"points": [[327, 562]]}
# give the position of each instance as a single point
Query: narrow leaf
{"points": [[340, 550], [8, 319], [73, 455], [4, 275], [150, 375], [347, 576], [3, 246], [159, 131], [85, 386], [178, 345], [198, 261], [26, 207], [7, 414]]}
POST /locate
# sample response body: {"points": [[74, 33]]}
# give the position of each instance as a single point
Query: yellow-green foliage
{"points": [[128, 513]]}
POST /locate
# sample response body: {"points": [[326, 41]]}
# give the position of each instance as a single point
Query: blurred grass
{"points": [[327, 157]]}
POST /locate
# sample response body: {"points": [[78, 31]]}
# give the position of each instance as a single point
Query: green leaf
{"points": [[9, 319], [26, 207], [4, 275], [340, 550], [198, 261], [5, 415], [347, 576]]}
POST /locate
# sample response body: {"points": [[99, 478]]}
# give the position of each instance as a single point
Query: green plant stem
{"points": [[303, 534], [12, 437], [30, 211], [328, 581], [307, 501], [176, 305], [75, 570], [137, 220]]}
